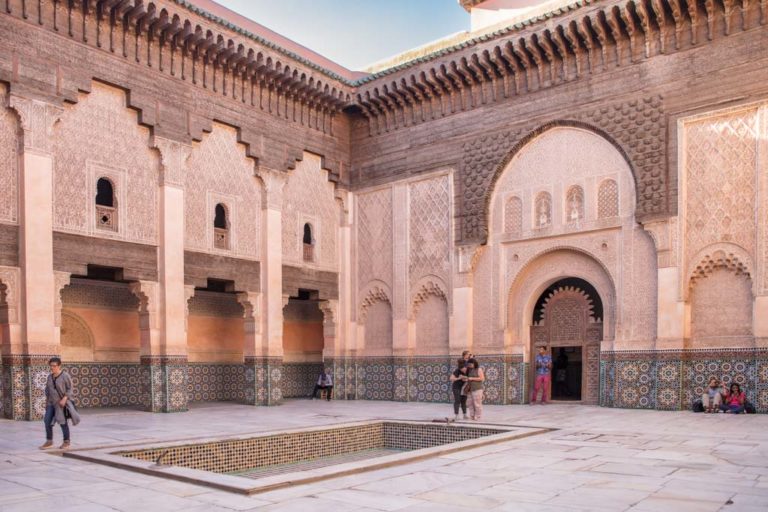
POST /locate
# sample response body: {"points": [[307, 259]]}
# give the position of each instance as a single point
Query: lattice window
{"points": [[309, 243], [106, 206], [608, 199], [543, 212], [574, 204], [220, 227], [513, 216]]}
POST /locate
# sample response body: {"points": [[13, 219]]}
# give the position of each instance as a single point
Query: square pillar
{"points": [[264, 345], [34, 338], [164, 305]]}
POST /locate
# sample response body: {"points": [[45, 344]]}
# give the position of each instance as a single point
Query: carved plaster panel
{"points": [[376, 292], [719, 178], [273, 187], [430, 228], [548, 201], [218, 171], [9, 159], [374, 236], [37, 121], [378, 329], [101, 133], [173, 156], [308, 193]]}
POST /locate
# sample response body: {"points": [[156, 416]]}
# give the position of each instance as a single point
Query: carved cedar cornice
{"points": [[172, 39], [581, 39]]}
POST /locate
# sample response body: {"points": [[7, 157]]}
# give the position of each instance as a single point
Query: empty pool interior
{"points": [[290, 452]]}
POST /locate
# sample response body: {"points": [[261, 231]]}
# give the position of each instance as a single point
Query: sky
{"points": [[356, 33]]}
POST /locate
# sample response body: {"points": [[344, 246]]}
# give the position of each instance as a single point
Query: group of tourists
{"points": [[467, 387], [716, 399]]}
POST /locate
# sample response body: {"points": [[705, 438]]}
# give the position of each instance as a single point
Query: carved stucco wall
{"points": [[622, 255], [308, 196], [100, 137], [431, 320], [638, 125], [720, 180], [378, 329], [100, 322], [430, 229], [554, 162], [721, 310], [9, 170], [219, 172], [374, 237], [722, 254], [76, 338]]}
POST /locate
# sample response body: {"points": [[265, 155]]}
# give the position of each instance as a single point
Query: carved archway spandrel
{"points": [[426, 289], [374, 294]]}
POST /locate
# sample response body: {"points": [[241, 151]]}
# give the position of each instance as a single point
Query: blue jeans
{"points": [[734, 409], [50, 412]]}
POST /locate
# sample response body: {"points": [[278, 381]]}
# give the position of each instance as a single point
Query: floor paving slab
{"points": [[617, 459]]}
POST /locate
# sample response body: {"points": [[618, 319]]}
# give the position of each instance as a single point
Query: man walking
{"points": [[58, 404], [543, 366], [324, 381]]}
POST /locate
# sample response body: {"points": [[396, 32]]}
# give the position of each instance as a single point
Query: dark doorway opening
{"points": [[567, 373]]}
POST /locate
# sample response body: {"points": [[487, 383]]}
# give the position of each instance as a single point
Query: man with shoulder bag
{"points": [[59, 405]]}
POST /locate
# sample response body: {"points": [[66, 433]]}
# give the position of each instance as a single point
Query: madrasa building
{"points": [[194, 208]]}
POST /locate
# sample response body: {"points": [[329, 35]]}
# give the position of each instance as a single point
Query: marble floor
{"points": [[597, 460]]}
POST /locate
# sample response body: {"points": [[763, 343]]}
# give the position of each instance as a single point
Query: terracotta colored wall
{"points": [[212, 339], [302, 332], [116, 336]]}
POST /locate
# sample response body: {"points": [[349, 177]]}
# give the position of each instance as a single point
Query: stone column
{"points": [[264, 359], [164, 328], [25, 363]]}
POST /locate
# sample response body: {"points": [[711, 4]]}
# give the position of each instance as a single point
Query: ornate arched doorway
{"points": [[568, 320]]}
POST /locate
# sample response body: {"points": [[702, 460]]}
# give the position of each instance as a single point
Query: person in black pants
{"points": [[324, 381], [458, 380]]}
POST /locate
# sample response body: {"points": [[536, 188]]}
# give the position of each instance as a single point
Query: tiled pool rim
{"points": [[239, 484]]}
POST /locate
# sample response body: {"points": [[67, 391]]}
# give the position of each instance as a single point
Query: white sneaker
{"points": [[466, 417]]}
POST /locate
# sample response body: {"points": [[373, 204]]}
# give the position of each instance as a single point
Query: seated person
{"points": [[324, 381], [712, 398], [734, 400]]}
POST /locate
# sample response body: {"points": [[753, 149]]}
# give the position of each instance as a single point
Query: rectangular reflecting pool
{"points": [[267, 461]]}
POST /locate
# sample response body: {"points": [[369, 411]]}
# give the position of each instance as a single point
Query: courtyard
{"points": [[593, 459]]}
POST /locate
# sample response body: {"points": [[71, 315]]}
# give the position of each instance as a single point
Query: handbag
{"points": [[67, 414]]}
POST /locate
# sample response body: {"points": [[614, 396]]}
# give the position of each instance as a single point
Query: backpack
{"points": [[698, 406], [749, 408]]}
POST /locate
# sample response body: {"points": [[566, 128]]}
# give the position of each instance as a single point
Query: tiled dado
{"points": [[263, 377], [299, 379], [423, 379], [23, 381], [107, 384], [164, 383], [216, 382], [673, 380]]}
